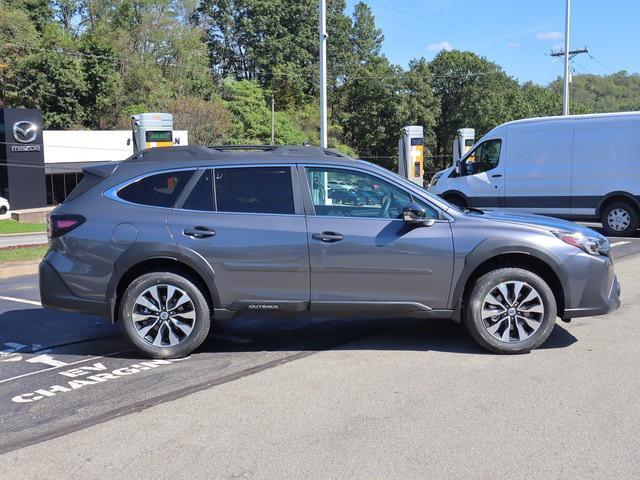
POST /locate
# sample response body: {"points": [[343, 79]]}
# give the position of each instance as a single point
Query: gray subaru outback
{"points": [[172, 238]]}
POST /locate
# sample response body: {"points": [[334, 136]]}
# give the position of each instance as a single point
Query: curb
{"points": [[18, 270], [23, 234]]}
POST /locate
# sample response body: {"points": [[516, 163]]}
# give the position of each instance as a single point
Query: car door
{"points": [[363, 256], [482, 174], [248, 223]]}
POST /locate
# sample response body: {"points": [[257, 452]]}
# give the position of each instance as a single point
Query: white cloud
{"points": [[436, 47], [513, 45], [549, 35]]}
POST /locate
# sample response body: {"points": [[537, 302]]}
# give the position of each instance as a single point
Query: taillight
{"points": [[58, 224]]}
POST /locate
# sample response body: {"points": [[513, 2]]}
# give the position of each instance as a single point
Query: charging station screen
{"points": [[165, 136]]}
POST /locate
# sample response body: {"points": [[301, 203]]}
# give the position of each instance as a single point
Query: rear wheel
{"points": [[510, 310], [3, 210], [164, 315], [619, 219]]}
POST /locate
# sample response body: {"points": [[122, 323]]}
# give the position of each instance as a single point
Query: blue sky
{"points": [[515, 34]]}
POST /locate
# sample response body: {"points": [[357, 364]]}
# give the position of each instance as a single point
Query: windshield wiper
{"points": [[471, 209]]}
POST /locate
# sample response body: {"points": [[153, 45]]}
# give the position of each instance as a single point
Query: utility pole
{"points": [[273, 121], [323, 73], [568, 56]]}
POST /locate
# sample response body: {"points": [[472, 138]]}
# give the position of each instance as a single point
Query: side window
{"points": [[201, 196], [159, 190], [485, 157], [254, 190], [347, 193]]}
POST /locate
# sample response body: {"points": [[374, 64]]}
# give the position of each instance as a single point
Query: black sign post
{"points": [[22, 176]]}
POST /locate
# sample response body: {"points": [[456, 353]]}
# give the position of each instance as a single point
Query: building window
{"points": [[60, 185]]}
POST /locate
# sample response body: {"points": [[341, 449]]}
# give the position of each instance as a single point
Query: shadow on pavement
{"points": [[256, 332]]}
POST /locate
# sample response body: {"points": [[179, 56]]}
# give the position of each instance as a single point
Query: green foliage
{"points": [[618, 92], [216, 65]]}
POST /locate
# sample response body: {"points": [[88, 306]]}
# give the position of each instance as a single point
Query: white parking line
{"points": [[21, 300], [62, 366], [617, 244]]}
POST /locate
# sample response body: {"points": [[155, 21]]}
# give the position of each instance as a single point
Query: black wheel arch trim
{"points": [[142, 252], [495, 247], [633, 200]]}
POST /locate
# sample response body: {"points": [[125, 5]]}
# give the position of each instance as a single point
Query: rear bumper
{"points": [[601, 293], [55, 294]]}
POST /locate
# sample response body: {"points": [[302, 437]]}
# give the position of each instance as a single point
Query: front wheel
{"points": [[165, 315], [619, 219], [510, 310], [3, 210]]}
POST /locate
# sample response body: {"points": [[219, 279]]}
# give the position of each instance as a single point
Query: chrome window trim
{"points": [[444, 218]]}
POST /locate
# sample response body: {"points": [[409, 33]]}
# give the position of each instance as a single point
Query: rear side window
{"points": [[254, 190], [159, 190]]}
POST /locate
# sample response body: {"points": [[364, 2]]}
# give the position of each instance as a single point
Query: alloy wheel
{"points": [[163, 315], [512, 311]]}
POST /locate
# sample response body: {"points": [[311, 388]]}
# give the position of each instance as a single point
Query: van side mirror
{"points": [[457, 169], [414, 214]]}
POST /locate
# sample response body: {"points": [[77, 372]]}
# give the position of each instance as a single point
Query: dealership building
{"points": [[40, 167]]}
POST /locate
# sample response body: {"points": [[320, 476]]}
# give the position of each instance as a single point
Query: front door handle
{"points": [[327, 237], [497, 175], [199, 232]]}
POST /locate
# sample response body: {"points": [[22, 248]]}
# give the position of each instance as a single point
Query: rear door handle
{"points": [[199, 232], [497, 175], [327, 237]]}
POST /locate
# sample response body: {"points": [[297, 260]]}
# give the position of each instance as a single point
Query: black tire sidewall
{"points": [[633, 225], [202, 323], [3, 210], [473, 321]]}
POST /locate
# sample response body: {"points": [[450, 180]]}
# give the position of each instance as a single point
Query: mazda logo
{"points": [[25, 132]]}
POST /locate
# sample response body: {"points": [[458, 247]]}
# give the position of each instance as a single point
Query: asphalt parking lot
{"points": [[62, 373]]}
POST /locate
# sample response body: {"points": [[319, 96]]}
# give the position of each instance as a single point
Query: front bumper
{"points": [[55, 294], [600, 292]]}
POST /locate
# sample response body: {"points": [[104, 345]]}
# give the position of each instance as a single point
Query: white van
{"points": [[582, 167]]}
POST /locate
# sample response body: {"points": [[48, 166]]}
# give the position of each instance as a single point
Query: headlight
{"points": [[435, 179], [595, 245]]}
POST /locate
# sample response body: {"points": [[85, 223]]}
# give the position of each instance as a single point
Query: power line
{"points": [[595, 59]]}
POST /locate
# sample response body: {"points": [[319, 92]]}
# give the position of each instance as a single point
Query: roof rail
{"points": [[225, 148]]}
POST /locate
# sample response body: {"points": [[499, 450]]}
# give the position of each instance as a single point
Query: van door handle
{"points": [[497, 175], [327, 237], [199, 232]]}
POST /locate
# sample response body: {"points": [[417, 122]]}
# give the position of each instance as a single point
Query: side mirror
{"points": [[457, 169], [414, 214]]}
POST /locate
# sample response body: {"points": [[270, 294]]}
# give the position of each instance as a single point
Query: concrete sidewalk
{"points": [[385, 407], [19, 239]]}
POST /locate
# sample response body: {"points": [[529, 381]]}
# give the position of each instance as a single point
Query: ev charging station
{"points": [[152, 130], [462, 143], [411, 154]]}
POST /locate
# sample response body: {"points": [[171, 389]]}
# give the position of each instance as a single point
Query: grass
{"points": [[22, 254], [11, 226]]}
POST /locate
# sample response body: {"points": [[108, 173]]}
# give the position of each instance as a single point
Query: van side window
{"points": [[484, 158]]}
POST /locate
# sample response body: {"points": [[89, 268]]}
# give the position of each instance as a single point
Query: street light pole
{"points": [[567, 28], [323, 73]]}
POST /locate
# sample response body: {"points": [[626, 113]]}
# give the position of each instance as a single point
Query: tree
{"points": [[366, 38], [209, 122], [473, 93], [423, 105]]}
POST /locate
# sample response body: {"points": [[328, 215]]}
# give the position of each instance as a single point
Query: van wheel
{"points": [[619, 219], [510, 310], [164, 315]]}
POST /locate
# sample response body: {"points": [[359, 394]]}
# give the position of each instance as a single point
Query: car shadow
{"points": [[252, 332]]}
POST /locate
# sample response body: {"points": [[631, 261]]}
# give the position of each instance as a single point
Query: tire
{"points": [[178, 324], [3, 210], [619, 219], [533, 320], [456, 200]]}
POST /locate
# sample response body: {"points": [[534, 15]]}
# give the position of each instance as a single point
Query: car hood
{"points": [[540, 221]]}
